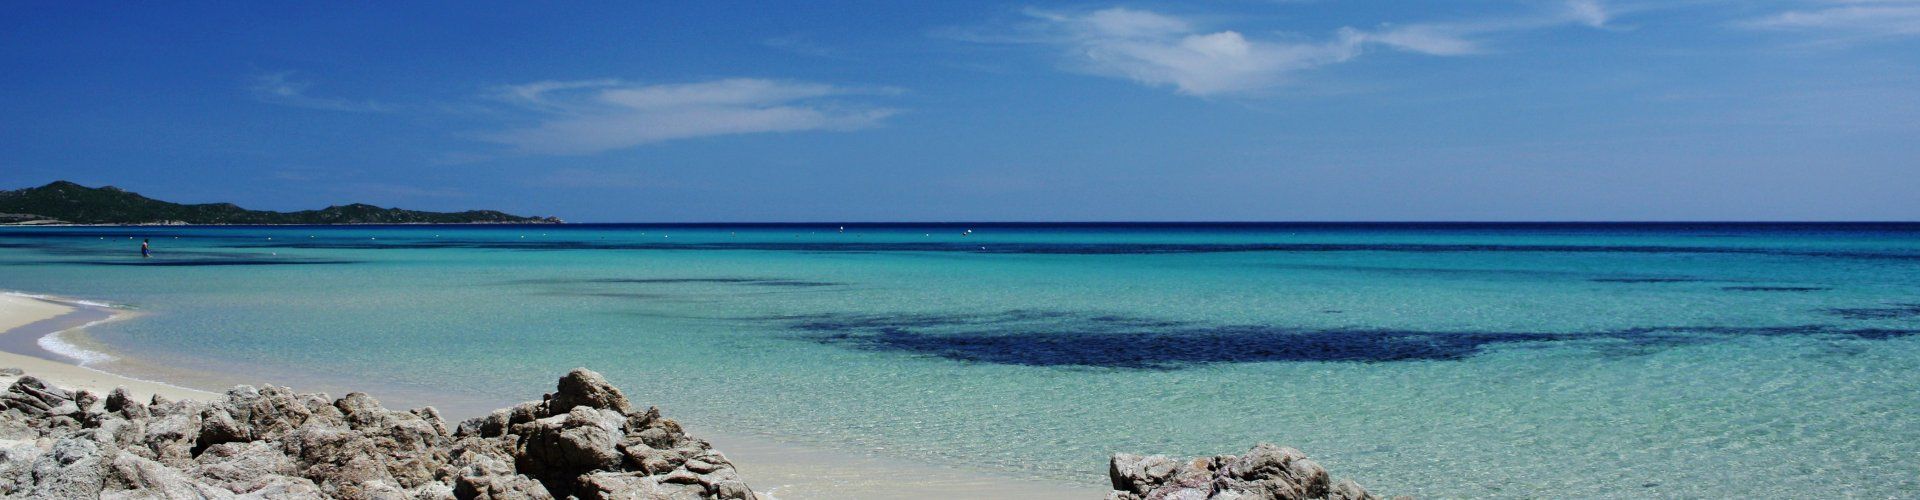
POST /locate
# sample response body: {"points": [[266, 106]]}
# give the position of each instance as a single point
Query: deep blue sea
{"points": [[1439, 360]]}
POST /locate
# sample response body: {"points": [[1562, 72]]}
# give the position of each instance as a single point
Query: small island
{"points": [[63, 202]]}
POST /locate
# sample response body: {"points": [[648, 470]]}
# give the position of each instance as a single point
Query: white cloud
{"points": [[1847, 19], [1168, 51], [1588, 12], [590, 116], [280, 88]]}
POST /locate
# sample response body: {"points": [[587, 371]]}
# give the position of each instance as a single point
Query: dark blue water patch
{"points": [[1775, 288], [1059, 339], [95, 250], [1133, 322], [858, 322], [1171, 350], [1646, 280], [1890, 311], [207, 262], [1438, 271], [614, 295], [132, 251], [122, 234]]}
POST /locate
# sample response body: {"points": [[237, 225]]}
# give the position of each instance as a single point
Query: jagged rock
{"points": [[118, 402], [581, 441], [244, 467], [487, 476], [130, 476], [34, 397], [286, 487], [72, 468], [492, 425], [170, 435], [1346, 489], [1264, 472], [217, 426], [583, 387], [610, 485], [584, 440]]}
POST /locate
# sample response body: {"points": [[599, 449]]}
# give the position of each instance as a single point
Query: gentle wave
{"points": [[66, 300], [82, 356]]}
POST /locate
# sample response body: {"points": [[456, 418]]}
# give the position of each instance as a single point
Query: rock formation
{"points": [[583, 441], [1266, 472]]}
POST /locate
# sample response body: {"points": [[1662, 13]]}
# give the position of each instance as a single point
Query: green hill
{"points": [[68, 202]]}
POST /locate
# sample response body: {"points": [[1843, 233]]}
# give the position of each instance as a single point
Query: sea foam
{"points": [[54, 343]]}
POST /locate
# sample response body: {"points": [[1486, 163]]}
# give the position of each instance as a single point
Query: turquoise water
{"points": [[1433, 360]]}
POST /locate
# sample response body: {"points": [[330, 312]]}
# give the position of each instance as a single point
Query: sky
{"points": [[718, 111]]}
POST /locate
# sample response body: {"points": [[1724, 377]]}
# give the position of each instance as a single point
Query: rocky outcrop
{"points": [[583, 441], [1266, 472]]}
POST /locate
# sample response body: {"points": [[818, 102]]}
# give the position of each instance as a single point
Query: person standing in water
{"points": [[144, 251]]}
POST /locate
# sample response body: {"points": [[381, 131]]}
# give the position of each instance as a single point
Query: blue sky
{"points": [[888, 111]]}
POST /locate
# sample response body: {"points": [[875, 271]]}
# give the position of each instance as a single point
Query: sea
{"points": [[1437, 360]]}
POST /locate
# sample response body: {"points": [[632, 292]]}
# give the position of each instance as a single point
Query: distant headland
{"points": [[63, 202]]}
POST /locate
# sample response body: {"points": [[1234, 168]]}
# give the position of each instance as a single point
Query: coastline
{"points": [[26, 319], [787, 471], [185, 224]]}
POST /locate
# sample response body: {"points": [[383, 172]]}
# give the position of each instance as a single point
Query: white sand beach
{"points": [[20, 314]]}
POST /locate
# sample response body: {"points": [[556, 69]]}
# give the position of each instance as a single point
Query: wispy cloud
{"points": [[280, 88], [1165, 50], [590, 116], [581, 178], [1845, 20]]}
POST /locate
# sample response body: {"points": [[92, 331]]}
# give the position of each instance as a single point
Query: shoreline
{"points": [[26, 320], [788, 471]]}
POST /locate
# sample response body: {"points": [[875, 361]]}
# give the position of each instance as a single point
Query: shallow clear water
{"points": [[1434, 360]]}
